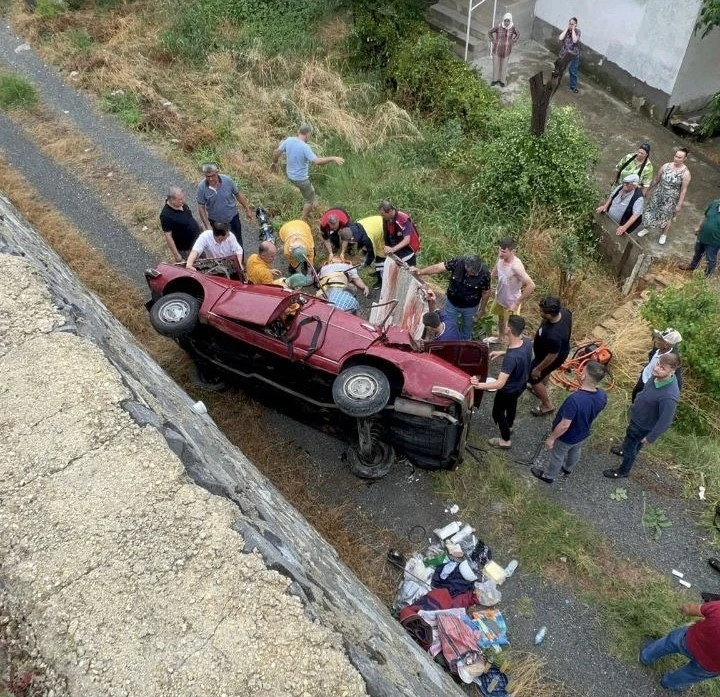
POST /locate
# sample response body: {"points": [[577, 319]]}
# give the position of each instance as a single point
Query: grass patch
{"points": [[125, 105], [16, 92]]}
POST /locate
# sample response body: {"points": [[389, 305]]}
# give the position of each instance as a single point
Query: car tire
{"points": [[377, 466], [361, 391], [175, 314]]}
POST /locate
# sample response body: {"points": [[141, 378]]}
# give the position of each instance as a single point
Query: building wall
{"points": [[644, 48]]}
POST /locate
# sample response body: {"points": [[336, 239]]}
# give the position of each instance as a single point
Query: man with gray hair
{"points": [[177, 222], [299, 155], [217, 198], [624, 206]]}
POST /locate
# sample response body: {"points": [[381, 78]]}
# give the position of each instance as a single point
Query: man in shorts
{"points": [[514, 285], [299, 155], [551, 347]]}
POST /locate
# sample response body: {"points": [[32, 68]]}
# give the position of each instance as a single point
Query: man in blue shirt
{"points": [[511, 382], [571, 426], [299, 156]]}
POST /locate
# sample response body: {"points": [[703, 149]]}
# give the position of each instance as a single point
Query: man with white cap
{"points": [[664, 343], [624, 206]]}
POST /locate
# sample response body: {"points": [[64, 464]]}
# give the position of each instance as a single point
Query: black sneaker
{"points": [[540, 474], [565, 472], [614, 474]]}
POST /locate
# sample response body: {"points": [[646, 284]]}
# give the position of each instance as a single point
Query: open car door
{"points": [[470, 356]]}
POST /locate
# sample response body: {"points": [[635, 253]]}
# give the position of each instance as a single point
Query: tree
{"points": [[709, 17]]}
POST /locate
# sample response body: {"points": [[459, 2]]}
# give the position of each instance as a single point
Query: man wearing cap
{"points": [[624, 206], [551, 347], [651, 414], [468, 290], [636, 163], [298, 245]]}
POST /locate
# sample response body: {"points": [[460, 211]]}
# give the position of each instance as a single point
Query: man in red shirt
{"points": [[331, 222], [700, 642]]}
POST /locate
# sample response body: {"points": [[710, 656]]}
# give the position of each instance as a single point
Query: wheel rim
{"points": [[361, 387], [174, 311]]}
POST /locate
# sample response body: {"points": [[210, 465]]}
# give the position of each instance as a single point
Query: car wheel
{"points": [[361, 390], [375, 466], [175, 314]]}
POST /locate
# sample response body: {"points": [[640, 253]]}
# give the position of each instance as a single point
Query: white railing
{"points": [[471, 8]]}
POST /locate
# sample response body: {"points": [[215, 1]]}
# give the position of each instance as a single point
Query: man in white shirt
{"points": [[218, 243]]}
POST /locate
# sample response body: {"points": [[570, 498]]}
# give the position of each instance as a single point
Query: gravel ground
{"points": [[576, 647]]}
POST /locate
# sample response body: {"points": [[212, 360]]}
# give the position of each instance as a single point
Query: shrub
{"points": [[16, 92], [694, 310], [126, 105], [516, 171], [428, 76], [710, 123]]}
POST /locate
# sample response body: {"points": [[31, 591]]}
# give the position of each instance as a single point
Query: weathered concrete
{"points": [[136, 580]]}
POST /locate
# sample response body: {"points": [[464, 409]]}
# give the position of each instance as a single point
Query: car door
{"points": [[470, 356]]}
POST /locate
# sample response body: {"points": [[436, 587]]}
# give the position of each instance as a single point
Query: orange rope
{"points": [[568, 374]]}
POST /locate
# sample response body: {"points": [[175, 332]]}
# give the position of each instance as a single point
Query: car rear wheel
{"points": [[361, 390], [375, 464], [175, 314]]}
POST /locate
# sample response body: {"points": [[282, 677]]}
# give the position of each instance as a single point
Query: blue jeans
{"points": [[682, 678], [573, 68], [631, 446], [463, 318], [711, 254]]}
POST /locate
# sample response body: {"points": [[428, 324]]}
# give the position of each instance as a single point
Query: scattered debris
{"points": [[677, 573], [454, 509], [22, 47], [540, 636], [701, 493], [685, 583], [199, 408]]}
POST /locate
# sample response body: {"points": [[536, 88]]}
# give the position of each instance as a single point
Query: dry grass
{"points": [[528, 676], [358, 542]]}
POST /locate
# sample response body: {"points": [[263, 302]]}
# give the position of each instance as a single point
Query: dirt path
{"points": [[576, 648]]}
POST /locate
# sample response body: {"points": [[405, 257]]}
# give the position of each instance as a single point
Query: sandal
{"points": [[499, 443], [537, 411]]}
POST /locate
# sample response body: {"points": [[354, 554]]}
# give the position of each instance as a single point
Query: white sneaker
{"points": [[642, 233], [663, 239]]}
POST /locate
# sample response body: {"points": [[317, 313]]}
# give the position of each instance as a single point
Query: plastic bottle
{"points": [[510, 568], [540, 635]]}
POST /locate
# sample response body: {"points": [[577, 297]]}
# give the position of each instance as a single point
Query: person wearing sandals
{"points": [[651, 414], [571, 427], [668, 195], [551, 347], [511, 382]]}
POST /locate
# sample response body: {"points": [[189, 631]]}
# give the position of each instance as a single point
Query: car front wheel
{"points": [[361, 391], [175, 314]]}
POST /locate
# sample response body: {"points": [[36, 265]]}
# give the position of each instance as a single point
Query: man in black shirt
{"points": [[177, 222], [468, 290], [551, 347], [511, 381]]}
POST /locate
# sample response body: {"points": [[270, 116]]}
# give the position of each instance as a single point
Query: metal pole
{"points": [[467, 33], [493, 22]]}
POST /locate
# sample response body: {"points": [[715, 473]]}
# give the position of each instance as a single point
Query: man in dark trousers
{"points": [[400, 235], [571, 427], [698, 642], [651, 414], [468, 290], [177, 222], [551, 347], [511, 382]]}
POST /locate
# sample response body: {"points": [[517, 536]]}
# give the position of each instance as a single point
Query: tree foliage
{"points": [[709, 17]]}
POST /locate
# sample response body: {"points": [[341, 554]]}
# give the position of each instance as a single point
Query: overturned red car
{"points": [[406, 396]]}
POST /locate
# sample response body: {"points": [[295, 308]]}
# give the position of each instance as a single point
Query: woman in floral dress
{"points": [[668, 194]]}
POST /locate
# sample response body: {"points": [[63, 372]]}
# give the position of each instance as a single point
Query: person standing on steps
{"points": [[468, 290], [636, 163], [511, 382], [551, 347], [504, 36], [666, 201], [571, 427], [624, 206], [698, 642], [651, 414], [178, 224], [217, 198], [570, 46], [299, 156], [708, 240], [514, 285]]}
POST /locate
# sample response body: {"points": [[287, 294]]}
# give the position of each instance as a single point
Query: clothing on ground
{"points": [[220, 203], [212, 249], [581, 408], [298, 156], [181, 225]]}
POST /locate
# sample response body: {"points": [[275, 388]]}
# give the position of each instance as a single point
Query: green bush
{"points": [[694, 310], [710, 123], [515, 171], [429, 77], [16, 92]]}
